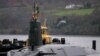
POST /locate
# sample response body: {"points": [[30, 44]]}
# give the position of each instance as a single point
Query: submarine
{"points": [[40, 43]]}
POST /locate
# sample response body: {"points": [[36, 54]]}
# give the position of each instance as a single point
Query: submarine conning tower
{"points": [[35, 37]]}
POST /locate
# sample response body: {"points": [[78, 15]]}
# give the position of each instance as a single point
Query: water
{"points": [[85, 41], [77, 40], [11, 37]]}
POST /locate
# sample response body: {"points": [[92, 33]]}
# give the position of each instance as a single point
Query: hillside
{"points": [[16, 14]]}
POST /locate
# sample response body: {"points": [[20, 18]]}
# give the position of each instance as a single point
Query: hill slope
{"points": [[16, 14]]}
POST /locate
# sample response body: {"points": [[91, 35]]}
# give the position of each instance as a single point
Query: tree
{"points": [[88, 5]]}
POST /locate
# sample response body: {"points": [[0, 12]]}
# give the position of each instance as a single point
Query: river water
{"points": [[77, 40]]}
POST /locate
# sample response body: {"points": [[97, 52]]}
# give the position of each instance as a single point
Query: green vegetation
{"points": [[15, 18], [78, 12]]}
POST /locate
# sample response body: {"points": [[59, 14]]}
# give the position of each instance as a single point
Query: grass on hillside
{"points": [[77, 12]]}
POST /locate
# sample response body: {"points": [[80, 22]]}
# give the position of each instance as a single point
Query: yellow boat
{"points": [[46, 38]]}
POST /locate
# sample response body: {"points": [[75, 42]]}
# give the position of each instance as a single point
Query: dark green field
{"points": [[76, 12]]}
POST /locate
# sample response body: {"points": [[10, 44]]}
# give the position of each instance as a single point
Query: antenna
{"points": [[44, 23], [35, 11]]}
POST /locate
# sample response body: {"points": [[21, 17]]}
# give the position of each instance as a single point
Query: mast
{"points": [[35, 13], [35, 37]]}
